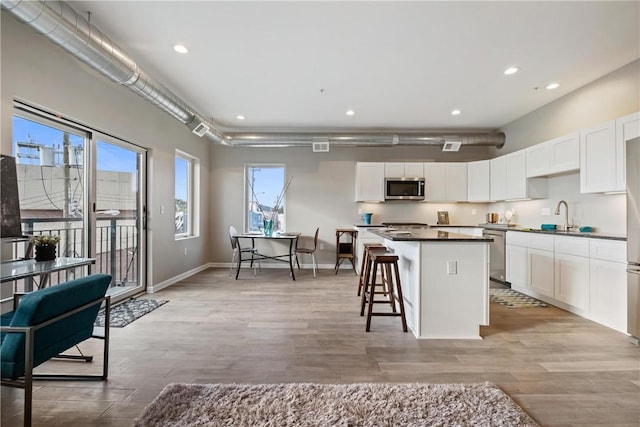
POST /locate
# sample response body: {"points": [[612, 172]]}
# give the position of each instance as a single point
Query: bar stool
{"points": [[367, 279], [365, 264], [391, 281]]}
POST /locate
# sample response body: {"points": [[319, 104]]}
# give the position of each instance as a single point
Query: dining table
{"points": [[291, 238]]}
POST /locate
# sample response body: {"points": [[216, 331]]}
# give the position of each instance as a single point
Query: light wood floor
{"points": [[564, 370]]}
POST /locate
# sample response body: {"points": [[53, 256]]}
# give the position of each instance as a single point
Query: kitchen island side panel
{"points": [[454, 298]]}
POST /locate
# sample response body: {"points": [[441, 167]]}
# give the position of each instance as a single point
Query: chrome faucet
{"points": [[567, 224]]}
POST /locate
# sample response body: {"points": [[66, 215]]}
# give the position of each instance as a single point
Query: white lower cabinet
{"points": [[608, 289], [608, 283], [572, 271], [516, 267], [541, 272], [586, 276], [572, 280]]}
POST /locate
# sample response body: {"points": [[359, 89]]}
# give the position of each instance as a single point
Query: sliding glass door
{"points": [[87, 188], [120, 214]]}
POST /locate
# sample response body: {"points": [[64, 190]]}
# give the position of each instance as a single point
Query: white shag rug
{"points": [[333, 405]]}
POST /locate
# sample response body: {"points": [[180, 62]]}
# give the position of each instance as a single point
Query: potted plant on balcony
{"points": [[45, 246]]}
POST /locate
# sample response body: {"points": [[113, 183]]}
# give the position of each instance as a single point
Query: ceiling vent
{"points": [[320, 145], [200, 129], [451, 146]]}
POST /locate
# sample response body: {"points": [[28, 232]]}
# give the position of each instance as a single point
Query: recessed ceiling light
{"points": [[551, 86], [455, 112], [240, 117], [511, 70], [350, 112], [180, 48]]}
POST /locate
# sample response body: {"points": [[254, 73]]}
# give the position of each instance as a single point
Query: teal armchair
{"points": [[48, 322]]}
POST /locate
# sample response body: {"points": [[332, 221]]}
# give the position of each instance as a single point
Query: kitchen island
{"points": [[445, 281]]}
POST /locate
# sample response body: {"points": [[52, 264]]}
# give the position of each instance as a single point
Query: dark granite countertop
{"points": [[426, 235], [572, 233]]}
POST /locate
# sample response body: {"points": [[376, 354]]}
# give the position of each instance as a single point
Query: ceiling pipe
{"points": [[59, 23], [272, 139]]}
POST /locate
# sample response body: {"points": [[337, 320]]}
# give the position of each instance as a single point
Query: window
{"points": [[265, 190], [186, 193]]}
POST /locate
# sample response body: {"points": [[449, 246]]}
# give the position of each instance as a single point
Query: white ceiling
{"points": [[398, 65]]}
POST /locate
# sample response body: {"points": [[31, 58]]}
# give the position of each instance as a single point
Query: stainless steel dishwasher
{"points": [[497, 255]]}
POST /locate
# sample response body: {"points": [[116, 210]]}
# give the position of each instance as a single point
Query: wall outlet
{"points": [[322, 246], [545, 211], [162, 209], [185, 251], [473, 211], [360, 211], [452, 267]]}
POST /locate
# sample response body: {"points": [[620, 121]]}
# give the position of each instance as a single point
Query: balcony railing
{"points": [[116, 245]]}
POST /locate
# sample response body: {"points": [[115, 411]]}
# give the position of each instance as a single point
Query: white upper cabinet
{"points": [[414, 170], [394, 170], [602, 154], [552, 157], [457, 182], [404, 170], [445, 182], [538, 157], [627, 127], [518, 186], [479, 181], [498, 179], [369, 182], [564, 153], [598, 159], [435, 176]]}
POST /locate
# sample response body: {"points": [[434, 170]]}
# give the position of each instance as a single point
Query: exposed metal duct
{"points": [[262, 139], [58, 22]]}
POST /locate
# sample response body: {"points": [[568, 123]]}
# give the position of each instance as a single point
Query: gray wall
{"points": [[322, 193], [614, 95], [43, 74]]}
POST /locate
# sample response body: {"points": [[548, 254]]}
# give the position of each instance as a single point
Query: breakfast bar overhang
{"points": [[445, 281]]}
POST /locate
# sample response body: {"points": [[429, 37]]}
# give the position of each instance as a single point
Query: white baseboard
{"points": [[176, 279], [187, 274], [278, 265]]}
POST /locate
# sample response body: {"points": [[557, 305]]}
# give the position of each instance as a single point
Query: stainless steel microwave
{"points": [[404, 188]]}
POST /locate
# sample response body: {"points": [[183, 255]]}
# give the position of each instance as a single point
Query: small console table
{"points": [[346, 247]]}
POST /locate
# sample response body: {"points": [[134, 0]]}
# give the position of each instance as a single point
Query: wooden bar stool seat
{"points": [[388, 263]]}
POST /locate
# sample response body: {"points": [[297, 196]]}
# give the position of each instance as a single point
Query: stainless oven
{"points": [[497, 255]]}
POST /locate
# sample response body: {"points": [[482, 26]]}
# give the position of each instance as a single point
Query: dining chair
{"points": [[239, 250], [310, 251]]}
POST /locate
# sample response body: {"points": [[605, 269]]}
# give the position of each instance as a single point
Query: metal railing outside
{"points": [[116, 245]]}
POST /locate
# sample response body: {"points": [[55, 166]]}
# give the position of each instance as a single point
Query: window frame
{"points": [[192, 194], [247, 194]]}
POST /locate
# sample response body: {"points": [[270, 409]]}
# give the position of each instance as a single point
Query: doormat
{"points": [[127, 312], [514, 299]]}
